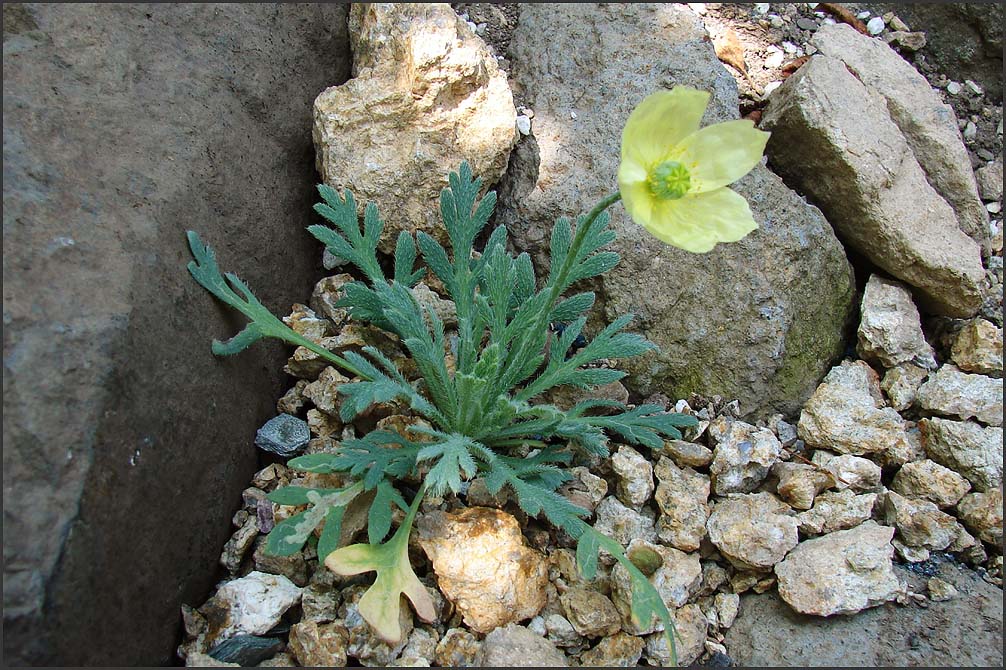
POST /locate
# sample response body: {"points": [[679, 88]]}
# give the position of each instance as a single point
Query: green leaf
{"points": [[586, 555], [323, 464], [297, 495], [288, 536], [453, 461], [379, 516], [331, 533], [380, 605]]}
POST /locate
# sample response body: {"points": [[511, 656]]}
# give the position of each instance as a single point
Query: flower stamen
{"points": [[669, 180]]}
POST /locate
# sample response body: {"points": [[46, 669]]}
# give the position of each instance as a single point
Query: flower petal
{"points": [[698, 222], [660, 122], [637, 199], [722, 153]]}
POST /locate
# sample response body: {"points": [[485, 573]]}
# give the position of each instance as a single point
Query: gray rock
{"points": [[319, 645], [990, 181], [753, 531], [293, 567], [964, 632], [901, 384], [515, 646], [930, 481], [834, 139], [283, 435], [727, 607], [951, 392], [836, 510], [967, 448], [851, 472], [245, 650], [458, 648], [941, 590], [141, 121], [591, 613], [560, 631], [251, 605], [847, 414], [326, 293], [635, 477], [777, 323], [691, 628], [682, 496], [889, 330], [840, 573], [425, 95], [237, 546], [623, 524], [677, 580], [742, 455], [927, 123]]}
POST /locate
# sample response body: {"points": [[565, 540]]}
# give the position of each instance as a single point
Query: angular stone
{"points": [[457, 648], [928, 480], [983, 514], [682, 496], [727, 606], [560, 632], [245, 650], [742, 455], [618, 651], [283, 435], [846, 413], [850, 472], [691, 627], [920, 523], [840, 573], [834, 138], [677, 581], [236, 547], [940, 590], [978, 347], [688, 454], [990, 180], [623, 524], [775, 333], [445, 310], [591, 613], [890, 332], [293, 400], [320, 602], [515, 646], [303, 321], [967, 448], [326, 293], [799, 483], [324, 392], [251, 605], [635, 477], [927, 123], [364, 645], [753, 531], [420, 650], [426, 95], [319, 645], [293, 566], [901, 384], [955, 393], [484, 567]]}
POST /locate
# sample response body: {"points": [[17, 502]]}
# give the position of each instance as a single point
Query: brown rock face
{"points": [[124, 125], [484, 567]]}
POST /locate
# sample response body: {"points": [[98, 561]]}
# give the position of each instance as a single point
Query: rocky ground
{"points": [[861, 527]]}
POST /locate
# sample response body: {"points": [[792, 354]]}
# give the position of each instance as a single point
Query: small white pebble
{"points": [[875, 26], [953, 88], [774, 58], [526, 111], [789, 47], [994, 207], [761, 7], [828, 21], [970, 131], [771, 86], [698, 7], [480, 29], [975, 88], [863, 15], [572, 115], [523, 125], [472, 26], [776, 21]]}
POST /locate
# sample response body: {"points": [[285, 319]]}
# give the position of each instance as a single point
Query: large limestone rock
{"points": [[847, 414], [836, 510], [840, 573], [753, 531], [683, 498], [954, 393], [484, 567], [930, 481], [517, 647], [928, 124], [425, 95], [834, 139], [983, 514], [967, 448], [890, 331], [773, 304], [124, 125], [978, 347], [920, 523]]}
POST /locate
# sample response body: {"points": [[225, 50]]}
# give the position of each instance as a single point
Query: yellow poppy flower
{"points": [[673, 175]]}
